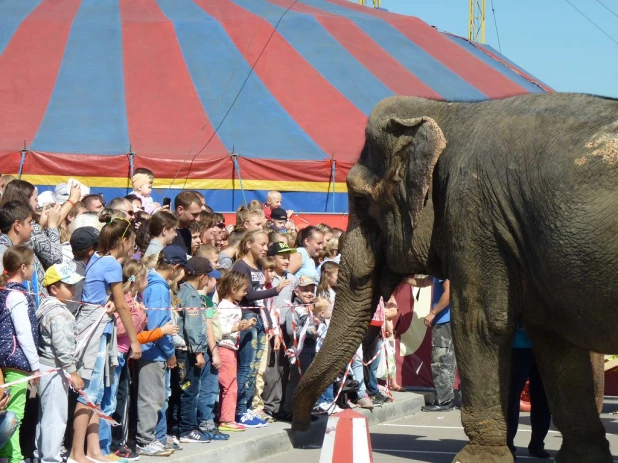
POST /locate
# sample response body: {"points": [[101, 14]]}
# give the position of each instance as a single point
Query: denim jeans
{"points": [[327, 396], [95, 386], [189, 382], [209, 391], [161, 429], [108, 406], [357, 371], [120, 434], [8, 424], [372, 378], [250, 350]]}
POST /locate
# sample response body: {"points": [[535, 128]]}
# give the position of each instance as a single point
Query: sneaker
{"points": [[165, 445], [194, 436], [126, 453], [215, 434], [262, 415], [114, 457], [249, 420], [379, 399], [173, 442], [232, 426], [365, 402], [154, 449]]}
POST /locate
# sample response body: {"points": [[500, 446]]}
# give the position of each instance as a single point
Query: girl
{"points": [[135, 279], [309, 243], [97, 334], [162, 230], [19, 335], [328, 279], [252, 247], [232, 290]]}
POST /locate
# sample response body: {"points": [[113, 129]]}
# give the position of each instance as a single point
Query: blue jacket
{"points": [[157, 296], [11, 354]]}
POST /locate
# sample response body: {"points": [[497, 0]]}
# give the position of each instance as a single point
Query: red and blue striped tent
{"points": [[233, 97]]}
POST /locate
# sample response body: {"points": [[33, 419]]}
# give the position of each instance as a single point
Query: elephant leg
{"points": [[598, 374], [483, 339], [567, 375]]}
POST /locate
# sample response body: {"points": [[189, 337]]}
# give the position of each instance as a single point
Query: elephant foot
{"points": [[585, 455], [474, 453], [301, 420]]}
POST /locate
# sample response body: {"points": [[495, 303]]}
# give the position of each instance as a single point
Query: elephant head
{"points": [[388, 236]]}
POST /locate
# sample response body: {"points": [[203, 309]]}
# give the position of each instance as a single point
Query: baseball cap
{"points": [[84, 238], [305, 281], [202, 266], [175, 255], [61, 272], [278, 213], [279, 248]]}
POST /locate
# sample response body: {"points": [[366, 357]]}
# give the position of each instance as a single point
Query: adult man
{"points": [[443, 362], [122, 205], [94, 202], [187, 208]]}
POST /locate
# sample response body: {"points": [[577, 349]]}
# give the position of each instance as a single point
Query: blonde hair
{"points": [[132, 271], [267, 263], [249, 238], [255, 205], [245, 214], [321, 304], [12, 260], [231, 280]]}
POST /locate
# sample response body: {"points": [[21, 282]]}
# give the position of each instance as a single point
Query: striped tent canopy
{"points": [[233, 97]]}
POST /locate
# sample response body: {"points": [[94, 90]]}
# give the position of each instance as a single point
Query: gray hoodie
{"points": [[56, 335]]}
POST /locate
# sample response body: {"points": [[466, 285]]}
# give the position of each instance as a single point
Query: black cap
{"points": [[279, 248], [84, 238], [202, 266], [174, 255], [278, 213]]}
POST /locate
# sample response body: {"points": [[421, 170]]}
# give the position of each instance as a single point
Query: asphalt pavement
{"points": [[437, 437]]}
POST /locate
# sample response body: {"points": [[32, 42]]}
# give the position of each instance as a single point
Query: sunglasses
{"points": [[220, 225]]}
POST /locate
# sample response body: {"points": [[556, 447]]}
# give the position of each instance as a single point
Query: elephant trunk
{"points": [[357, 297]]}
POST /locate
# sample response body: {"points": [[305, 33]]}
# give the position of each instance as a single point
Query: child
{"points": [[162, 231], [228, 254], [142, 182], [56, 350], [232, 290], [328, 279], [212, 254], [278, 369], [267, 264], [295, 322], [323, 311], [278, 219], [249, 219], [196, 239], [152, 390], [83, 241], [210, 385], [135, 280], [19, 335], [273, 201], [191, 361]]}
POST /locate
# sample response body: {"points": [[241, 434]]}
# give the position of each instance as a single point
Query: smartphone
{"points": [[167, 202], [7, 391]]}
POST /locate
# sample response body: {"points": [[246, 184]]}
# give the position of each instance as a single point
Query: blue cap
{"points": [[175, 255]]}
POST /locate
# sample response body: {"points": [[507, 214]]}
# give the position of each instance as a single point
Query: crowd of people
{"points": [[129, 328]]}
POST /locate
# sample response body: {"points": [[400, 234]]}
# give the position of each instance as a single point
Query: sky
{"points": [[548, 38]]}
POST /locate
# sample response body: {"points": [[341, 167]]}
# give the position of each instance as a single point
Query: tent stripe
{"points": [[25, 89], [154, 66], [501, 68], [324, 53], [467, 66], [257, 124], [12, 14], [412, 56], [87, 112], [380, 63], [310, 99]]}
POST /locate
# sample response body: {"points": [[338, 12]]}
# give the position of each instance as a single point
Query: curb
{"points": [[255, 444]]}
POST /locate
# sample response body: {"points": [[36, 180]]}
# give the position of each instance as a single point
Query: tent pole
{"points": [[333, 170], [237, 168], [130, 154], [24, 151]]}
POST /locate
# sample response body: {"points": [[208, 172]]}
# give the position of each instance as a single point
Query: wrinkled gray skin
{"points": [[515, 201]]}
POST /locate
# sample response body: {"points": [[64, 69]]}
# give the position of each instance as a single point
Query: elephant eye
{"points": [[362, 203]]}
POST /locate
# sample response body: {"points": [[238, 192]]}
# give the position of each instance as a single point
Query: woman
{"points": [[309, 244]]}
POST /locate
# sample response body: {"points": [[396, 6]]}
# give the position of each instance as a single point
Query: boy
{"points": [[16, 228], [142, 182], [191, 361], [56, 350], [278, 219], [300, 325], [196, 241], [84, 242], [212, 254], [156, 356], [278, 367]]}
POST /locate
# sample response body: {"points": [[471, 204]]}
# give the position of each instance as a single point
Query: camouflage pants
{"points": [[443, 362]]}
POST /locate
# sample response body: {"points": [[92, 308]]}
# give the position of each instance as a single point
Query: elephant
{"points": [[515, 201]]}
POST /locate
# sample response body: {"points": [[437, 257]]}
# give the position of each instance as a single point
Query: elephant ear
{"points": [[418, 143]]}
